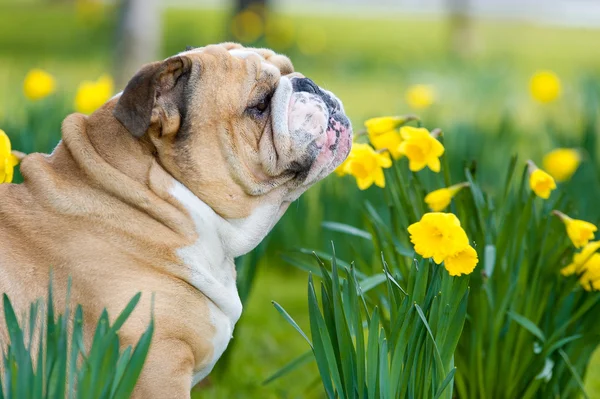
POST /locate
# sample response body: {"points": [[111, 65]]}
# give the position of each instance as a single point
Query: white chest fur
{"points": [[211, 266]]}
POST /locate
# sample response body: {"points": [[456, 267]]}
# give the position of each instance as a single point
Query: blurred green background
{"points": [[478, 68]]}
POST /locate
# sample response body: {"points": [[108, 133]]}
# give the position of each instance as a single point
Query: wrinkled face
{"points": [[238, 126]]}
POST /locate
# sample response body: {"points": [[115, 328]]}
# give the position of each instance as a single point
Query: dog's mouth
{"points": [[311, 131]]}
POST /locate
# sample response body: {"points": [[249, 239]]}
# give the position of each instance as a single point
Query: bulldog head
{"points": [[236, 126]]}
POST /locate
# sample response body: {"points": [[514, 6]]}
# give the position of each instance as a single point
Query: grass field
{"points": [[368, 63]]}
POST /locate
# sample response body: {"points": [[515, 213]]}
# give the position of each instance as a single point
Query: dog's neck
{"points": [[209, 242]]}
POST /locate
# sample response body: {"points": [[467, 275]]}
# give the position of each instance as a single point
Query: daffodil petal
{"points": [[5, 149], [379, 178], [434, 164], [416, 166], [364, 183]]}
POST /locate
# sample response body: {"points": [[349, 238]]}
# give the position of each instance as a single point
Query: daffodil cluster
{"points": [[440, 236], [390, 134]]}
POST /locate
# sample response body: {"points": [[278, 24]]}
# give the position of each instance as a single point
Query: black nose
{"points": [[306, 85]]}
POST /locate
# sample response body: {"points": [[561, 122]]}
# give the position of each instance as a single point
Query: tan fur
{"points": [[98, 210]]}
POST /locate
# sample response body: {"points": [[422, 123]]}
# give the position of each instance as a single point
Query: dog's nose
{"points": [[306, 85]]}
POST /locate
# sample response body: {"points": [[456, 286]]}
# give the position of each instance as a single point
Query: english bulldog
{"points": [[159, 190]]}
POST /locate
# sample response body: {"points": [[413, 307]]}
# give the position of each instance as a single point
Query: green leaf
{"points": [[445, 383], [371, 282], [574, 372], [347, 229], [438, 357], [322, 345], [298, 362], [373, 355], [559, 344], [135, 364], [292, 322], [528, 325]]}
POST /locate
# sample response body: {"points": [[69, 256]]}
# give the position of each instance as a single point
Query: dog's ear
{"points": [[163, 80]]}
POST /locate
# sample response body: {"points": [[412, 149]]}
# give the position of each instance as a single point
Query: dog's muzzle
{"points": [[325, 128]]}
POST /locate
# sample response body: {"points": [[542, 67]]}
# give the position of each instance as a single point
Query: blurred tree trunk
{"points": [[138, 37], [460, 28]]}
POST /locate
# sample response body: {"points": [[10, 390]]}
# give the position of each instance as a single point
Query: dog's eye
{"points": [[263, 105]]}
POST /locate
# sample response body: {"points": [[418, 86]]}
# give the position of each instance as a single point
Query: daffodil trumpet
{"points": [[579, 231], [439, 199]]}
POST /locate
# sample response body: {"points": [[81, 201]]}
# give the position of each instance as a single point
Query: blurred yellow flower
{"points": [[89, 11], [38, 84], [247, 26], [366, 165], [92, 95], [420, 96], [279, 33], [544, 86], [562, 163], [439, 200], [540, 182], [439, 236], [8, 160], [420, 148], [579, 231], [462, 262]]}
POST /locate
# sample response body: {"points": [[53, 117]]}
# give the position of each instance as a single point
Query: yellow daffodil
{"points": [[383, 133], [581, 259], [342, 170], [8, 160], [540, 182], [438, 236], [562, 163], [439, 200], [384, 124], [92, 95], [462, 262], [389, 141], [420, 96], [38, 84], [590, 279], [586, 264], [421, 148], [366, 165], [544, 86], [579, 231]]}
